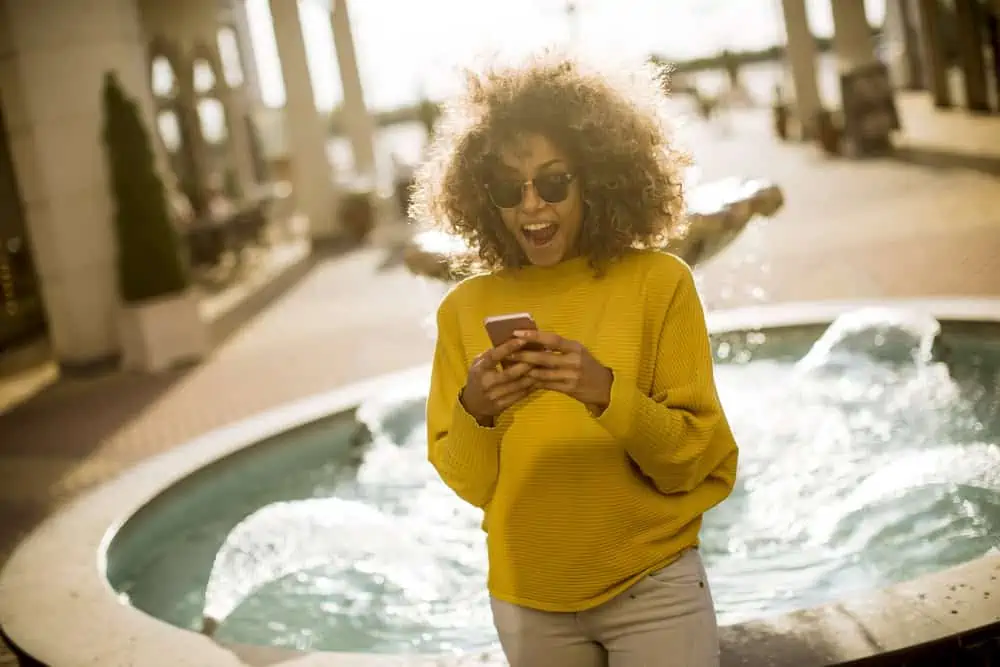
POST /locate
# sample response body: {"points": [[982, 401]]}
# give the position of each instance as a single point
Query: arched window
{"points": [[229, 54], [164, 80], [212, 116], [203, 76], [170, 130]]}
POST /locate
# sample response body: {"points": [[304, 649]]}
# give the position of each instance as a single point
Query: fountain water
{"points": [[284, 538], [288, 537], [890, 336]]}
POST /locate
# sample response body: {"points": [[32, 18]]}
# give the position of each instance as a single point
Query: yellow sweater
{"points": [[578, 508]]}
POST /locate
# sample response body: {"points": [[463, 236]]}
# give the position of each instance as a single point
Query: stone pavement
{"points": [[925, 222], [850, 229]]}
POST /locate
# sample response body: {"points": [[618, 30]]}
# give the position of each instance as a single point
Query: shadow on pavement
{"points": [[38, 453], [939, 159]]}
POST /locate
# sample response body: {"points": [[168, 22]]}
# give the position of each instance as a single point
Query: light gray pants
{"points": [[666, 619]]}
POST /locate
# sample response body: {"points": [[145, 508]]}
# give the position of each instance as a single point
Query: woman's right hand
{"points": [[488, 390]]}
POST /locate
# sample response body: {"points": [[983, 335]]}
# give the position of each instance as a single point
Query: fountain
{"points": [[864, 521]]}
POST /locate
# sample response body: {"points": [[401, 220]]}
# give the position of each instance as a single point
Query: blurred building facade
{"points": [[190, 66], [949, 48], [930, 39]]}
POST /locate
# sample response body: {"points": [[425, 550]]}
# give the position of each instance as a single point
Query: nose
{"points": [[530, 201]]}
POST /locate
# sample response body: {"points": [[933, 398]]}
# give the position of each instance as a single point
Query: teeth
{"points": [[535, 226]]}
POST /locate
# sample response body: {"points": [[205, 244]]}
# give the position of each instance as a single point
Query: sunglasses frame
{"points": [[568, 177]]}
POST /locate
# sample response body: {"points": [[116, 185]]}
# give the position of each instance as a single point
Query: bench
{"points": [[209, 237]]}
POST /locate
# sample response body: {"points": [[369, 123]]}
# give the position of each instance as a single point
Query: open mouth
{"points": [[540, 234]]}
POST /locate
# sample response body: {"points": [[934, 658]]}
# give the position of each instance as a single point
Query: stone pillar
{"points": [[969, 23], [800, 52], [868, 124], [932, 43], [53, 58], [993, 39], [852, 35], [359, 124], [306, 133], [251, 78], [900, 37]]}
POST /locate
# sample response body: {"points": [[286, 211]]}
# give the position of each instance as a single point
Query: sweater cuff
{"points": [[618, 418], [470, 441]]}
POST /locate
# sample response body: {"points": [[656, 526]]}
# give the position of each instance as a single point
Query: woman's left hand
{"points": [[568, 367]]}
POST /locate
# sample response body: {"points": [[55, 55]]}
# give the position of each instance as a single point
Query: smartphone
{"points": [[501, 328]]}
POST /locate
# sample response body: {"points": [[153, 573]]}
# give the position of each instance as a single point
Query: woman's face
{"points": [[546, 215]]}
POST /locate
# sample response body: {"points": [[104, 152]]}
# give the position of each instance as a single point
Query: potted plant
{"points": [[160, 324]]}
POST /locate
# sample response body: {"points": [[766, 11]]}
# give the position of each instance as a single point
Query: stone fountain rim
{"points": [[57, 606]]}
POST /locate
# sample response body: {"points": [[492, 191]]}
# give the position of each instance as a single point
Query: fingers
{"points": [[563, 380], [492, 378], [547, 359], [549, 340], [549, 375], [500, 352], [501, 392], [510, 399]]}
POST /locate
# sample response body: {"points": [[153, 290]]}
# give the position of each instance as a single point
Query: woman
{"points": [[594, 457]]}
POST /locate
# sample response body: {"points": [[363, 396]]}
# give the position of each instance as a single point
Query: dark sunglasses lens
{"points": [[552, 189], [505, 194]]}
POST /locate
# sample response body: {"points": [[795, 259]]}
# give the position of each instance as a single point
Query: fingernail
{"points": [[521, 334]]}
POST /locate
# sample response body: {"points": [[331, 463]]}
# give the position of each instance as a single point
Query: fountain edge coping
{"points": [[57, 606]]}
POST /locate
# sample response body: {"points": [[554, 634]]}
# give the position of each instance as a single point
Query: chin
{"points": [[545, 256]]}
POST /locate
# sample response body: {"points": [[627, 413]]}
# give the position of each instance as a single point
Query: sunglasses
{"points": [[551, 188]]}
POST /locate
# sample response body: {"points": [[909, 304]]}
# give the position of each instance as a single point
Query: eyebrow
{"points": [[545, 165]]}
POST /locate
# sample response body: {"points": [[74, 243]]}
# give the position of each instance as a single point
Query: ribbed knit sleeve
{"points": [[677, 434], [465, 454]]}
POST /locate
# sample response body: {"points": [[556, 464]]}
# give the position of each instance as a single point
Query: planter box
{"points": [[159, 334]]}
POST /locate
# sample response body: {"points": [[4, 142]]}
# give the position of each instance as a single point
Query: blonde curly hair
{"points": [[613, 125]]}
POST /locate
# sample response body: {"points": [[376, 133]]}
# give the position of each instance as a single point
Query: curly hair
{"points": [[613, 125]]}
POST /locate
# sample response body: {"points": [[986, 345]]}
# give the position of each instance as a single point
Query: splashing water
{"points": [[289, 537], [889, 336]]}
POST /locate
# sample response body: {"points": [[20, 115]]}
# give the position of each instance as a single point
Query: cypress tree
{"points": [[149, 259]]}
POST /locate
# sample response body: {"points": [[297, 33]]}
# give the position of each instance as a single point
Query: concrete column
{"points": [[868, 122], [900, 37], [305, 130], [251, 78], [970, 21], [359, 124], [993, 39], [932, 43], [852, 35], [52, 62], [800, 52]]}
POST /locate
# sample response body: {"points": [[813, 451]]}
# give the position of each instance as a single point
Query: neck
{"points": [[571, 269]]}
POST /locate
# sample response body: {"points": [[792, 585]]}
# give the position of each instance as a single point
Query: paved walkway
{"points": [[924, 222], [875, 228]]}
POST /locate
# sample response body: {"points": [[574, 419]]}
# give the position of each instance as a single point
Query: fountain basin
{"points": [[56, 603]]}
